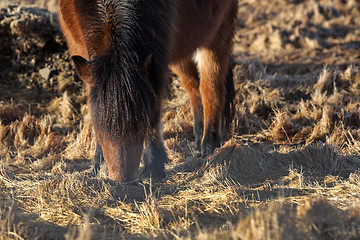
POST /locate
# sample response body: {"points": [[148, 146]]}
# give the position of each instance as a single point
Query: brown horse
{"points": [[122, 50]]}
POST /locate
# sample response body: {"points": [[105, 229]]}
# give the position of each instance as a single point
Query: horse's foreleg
{"points": [[189, 77], [214, 60], [154, 156], [98, 159], [213, 91]]}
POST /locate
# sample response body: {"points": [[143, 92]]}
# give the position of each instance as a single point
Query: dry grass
{"points": [[290, 169]]}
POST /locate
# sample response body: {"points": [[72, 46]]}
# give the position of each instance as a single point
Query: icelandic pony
{"points": [[122, 50]]}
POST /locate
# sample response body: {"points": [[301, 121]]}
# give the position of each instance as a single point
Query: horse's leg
{"points": [[189, 77], [229, 103], [154, 156], [98, 159], [214, 60]]}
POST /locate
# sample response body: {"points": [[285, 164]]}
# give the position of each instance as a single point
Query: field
{"points": [[288, 167]]}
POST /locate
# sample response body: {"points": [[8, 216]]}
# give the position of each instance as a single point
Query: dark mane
{"points": [[115, 94], [120, 35]]}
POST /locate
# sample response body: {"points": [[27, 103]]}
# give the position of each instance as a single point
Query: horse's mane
{"points": [[120, 35]]}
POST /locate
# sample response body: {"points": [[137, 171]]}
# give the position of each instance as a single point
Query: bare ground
{"points": [[290, 169]]}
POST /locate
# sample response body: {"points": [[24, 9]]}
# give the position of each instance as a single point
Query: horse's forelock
{"points": [[120, 35], [121, 98]]}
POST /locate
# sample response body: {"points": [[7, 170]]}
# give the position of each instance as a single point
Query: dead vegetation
{"points": [[289, 171]]}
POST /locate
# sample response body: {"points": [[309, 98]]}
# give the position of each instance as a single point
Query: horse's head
{"points": [[121, 99], [123, 80]]}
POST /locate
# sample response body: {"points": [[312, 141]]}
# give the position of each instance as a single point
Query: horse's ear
{"points": [[82, 67], [148, 66]]}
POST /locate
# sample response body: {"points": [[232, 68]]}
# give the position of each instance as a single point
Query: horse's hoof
{"points": [[158, 174], [210, 142], [208, 149], [95, 171]]}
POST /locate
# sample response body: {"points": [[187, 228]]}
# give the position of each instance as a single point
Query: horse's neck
{"points": [[145, 26]]}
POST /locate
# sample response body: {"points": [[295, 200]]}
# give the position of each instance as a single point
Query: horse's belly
{"points": [[196, 24]]}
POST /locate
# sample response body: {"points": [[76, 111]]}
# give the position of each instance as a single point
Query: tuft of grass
{"points": [[282, 127]]}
